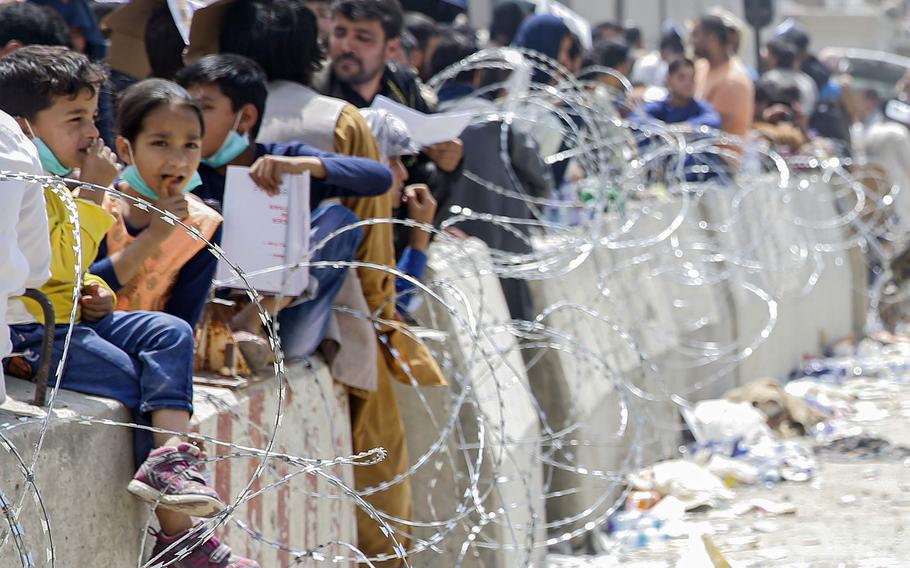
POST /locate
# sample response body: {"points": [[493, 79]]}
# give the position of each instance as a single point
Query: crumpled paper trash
{"points": [[723, 420], [689, 482]]}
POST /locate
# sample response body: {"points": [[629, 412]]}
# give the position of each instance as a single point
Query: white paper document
{"points": [[426, 129], [261, 232]]}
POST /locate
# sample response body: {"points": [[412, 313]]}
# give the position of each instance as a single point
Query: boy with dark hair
{"points": [[232, 90], [294, 112], [62, 127], [681, 104], [782, 65], [142, 359]]}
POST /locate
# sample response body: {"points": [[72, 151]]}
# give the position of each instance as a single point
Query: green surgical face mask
{"points": [[132, 176], [49, 160]]}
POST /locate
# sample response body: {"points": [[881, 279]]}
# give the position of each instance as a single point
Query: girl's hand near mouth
{"points": [[175, 204]]}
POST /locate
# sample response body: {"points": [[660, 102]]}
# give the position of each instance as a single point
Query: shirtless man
{"points": [[721, 79]]}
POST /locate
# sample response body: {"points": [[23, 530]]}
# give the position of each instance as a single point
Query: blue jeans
{"points": [[302, 327], [142, 359]]}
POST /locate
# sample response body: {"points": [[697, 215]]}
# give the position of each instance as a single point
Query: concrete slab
{"points": [[83, 472]]}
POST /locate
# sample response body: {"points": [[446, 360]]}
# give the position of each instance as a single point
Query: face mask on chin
{"points": [[234, 144], [132, 176], [49, 160]]}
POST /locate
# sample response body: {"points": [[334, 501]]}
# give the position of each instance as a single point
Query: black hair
{"points": [[507, 18], [715, 26], [764, 90], [671, 41], [608, 53], [601, 29], [439, 10], [632, 35], [798, 38], [163, 43], [282, 36], [141, 98], [783, 51], [453, 47], [678, 63], [777, 91], [575, 47], [31, 24], [31, 77], [421, 28], [386, 12], [238, 78]]}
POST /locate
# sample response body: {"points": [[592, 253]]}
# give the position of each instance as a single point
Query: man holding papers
{"points": [[365, 33]]}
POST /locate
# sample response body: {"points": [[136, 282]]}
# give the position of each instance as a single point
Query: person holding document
{"points": [[365, 34], [232, 91]]}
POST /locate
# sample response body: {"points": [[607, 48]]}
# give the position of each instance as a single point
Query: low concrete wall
{"points": [[83, 472]]}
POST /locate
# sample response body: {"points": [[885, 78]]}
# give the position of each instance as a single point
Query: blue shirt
{"points": [[413, 263], [696, 113], [346, 176]]}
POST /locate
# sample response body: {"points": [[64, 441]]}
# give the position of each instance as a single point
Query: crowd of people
{"points": [[283, 87]]}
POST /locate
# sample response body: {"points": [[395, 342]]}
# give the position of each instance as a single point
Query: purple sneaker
{"points": [[171, 477], [206, 554]]}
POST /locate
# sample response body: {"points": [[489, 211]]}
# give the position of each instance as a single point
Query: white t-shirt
{"points": [[650, 70]]}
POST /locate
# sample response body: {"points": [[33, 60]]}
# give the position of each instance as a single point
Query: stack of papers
{"points": [[262, 232]]}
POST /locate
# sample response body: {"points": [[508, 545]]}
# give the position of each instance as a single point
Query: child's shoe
{"points": [[210, 553], [171, 477]]}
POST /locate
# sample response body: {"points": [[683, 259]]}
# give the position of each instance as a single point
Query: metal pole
{"points": [[620, 11], [661, 13], [757, 32]]}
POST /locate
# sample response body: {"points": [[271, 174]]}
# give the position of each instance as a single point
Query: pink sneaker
{"points": [[210, 553], [171, 477]]}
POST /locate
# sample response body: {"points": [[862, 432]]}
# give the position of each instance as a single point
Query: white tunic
{"points": [[24, 239]]}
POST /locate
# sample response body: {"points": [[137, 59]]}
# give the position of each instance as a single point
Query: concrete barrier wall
{"points": [[487, 382], [84, 470], [576, 375]]}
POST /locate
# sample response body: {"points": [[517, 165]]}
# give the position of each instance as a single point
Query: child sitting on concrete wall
{"points": [[151, 264], [233, 90], [142, 359]]}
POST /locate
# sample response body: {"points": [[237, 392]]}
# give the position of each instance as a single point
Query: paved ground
{"points": [[852, 514]]}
